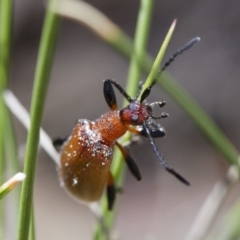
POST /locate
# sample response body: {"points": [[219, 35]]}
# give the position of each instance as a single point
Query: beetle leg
{"points": [[110, 95], [111, 191], [58, 142], [130, 162], [156, 132], [161, 159]]}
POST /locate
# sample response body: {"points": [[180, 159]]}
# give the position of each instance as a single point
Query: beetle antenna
{"points": [[109, 91], [161, 159], [188, 45]]}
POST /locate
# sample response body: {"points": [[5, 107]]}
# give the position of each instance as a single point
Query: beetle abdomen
{"points": [[85, 162]]}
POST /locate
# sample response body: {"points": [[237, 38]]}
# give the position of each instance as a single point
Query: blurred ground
{"points": [[159, 207]]}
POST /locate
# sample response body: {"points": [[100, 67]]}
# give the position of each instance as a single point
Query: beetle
{"points": [[86, 155]]}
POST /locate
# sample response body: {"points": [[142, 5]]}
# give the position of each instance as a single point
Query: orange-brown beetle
{"points": [[86, 155]]}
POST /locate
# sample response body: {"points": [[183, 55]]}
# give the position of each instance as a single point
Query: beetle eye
{"points": [[134, 118], [133, 106]]}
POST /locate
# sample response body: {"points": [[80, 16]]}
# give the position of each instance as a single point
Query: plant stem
{"points": [[44, 63], [6, 9], [5, 37], [140, 42], [2, 156], [32, 226], [5, 40]]}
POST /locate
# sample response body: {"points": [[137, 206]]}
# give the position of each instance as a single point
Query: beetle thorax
{"points": [[110, 126], [135, 113]]}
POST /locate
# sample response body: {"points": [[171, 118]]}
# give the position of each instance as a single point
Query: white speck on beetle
{"points": [[75, 181]]}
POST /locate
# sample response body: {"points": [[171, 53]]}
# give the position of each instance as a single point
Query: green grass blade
{"points": [[6, 8], [6, 12], [32, 234], [140, 44], [44, 63], [5, 43], [156, 65]]}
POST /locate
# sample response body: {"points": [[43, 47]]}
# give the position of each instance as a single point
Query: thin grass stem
{"points": [[6, 12], [43, 69]]}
